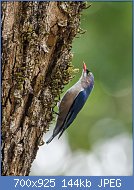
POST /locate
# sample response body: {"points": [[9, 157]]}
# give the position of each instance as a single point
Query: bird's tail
{"points": [[50, 139], [61, 133]]}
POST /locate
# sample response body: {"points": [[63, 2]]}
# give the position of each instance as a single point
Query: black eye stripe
{"points": [[87, 71]]}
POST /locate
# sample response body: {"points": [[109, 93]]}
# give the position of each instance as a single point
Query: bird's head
{"points": [[87, 77]]}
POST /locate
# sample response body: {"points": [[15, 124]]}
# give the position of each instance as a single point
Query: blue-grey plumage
{"points": [[72, 102]]}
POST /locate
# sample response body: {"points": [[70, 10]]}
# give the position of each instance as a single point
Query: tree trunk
{"points": [[36, 64]]}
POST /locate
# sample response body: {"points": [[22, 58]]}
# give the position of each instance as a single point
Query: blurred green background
{"points": [[106, 48]]}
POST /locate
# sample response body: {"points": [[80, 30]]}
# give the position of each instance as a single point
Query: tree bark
{"points": [[36, 64]]}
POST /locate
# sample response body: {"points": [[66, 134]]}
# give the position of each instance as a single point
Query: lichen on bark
{"points": [[36, 64]]}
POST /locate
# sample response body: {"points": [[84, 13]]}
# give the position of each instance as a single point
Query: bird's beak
{"points": [[84, 67]]}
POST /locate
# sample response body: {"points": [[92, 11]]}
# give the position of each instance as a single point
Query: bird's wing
{"points": [[64, 107], [74, 110]]}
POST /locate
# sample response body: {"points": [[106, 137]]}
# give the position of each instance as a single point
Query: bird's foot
{"points": [[55, 112]]}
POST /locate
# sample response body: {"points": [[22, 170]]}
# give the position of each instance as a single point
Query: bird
{"points": [[72, 102]]}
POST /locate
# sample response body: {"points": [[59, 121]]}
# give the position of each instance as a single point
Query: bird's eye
{"points": [[87, 71]]}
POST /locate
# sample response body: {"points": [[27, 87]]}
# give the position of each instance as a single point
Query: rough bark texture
{"points": [[36, 44]]}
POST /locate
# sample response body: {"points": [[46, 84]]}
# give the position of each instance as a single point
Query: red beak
{"points": [[84, 67]]}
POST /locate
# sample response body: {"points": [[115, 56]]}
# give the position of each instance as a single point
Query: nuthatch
{"points": [[72, 102]]}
